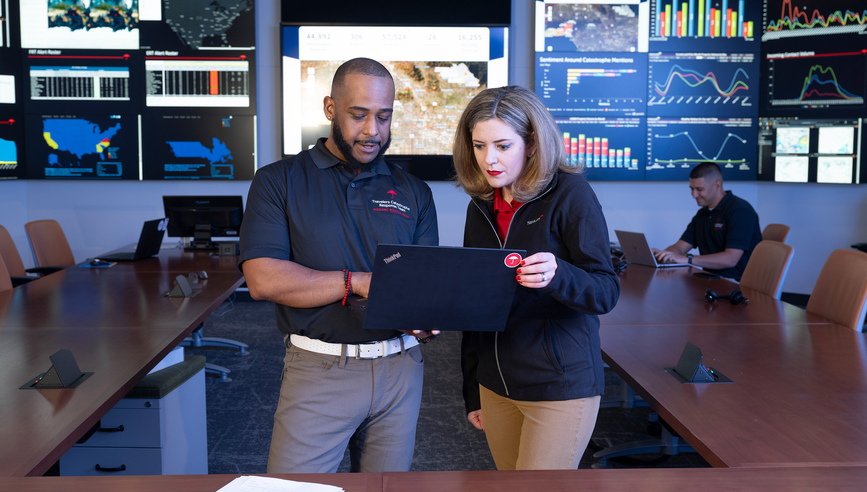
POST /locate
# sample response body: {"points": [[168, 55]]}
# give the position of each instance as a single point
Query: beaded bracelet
{"points": [[347, 281]]}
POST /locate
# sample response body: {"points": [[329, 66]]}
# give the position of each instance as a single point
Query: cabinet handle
{"points": [[118, 469], [112, 429]]}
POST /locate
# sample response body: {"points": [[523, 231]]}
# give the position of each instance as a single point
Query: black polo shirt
{"points": [[310, 210], [732, 224]]}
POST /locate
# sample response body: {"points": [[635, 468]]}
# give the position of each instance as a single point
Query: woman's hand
{"points": [[475, 418], [536, 271]]}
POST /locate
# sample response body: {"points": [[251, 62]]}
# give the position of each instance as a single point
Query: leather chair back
{"points": [[49, 243], [776, 232], [10, 255], [768, 267], [840, 293], [5, 280]]}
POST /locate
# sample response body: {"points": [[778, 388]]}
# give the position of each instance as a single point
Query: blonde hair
{"points": [[525, 113]]}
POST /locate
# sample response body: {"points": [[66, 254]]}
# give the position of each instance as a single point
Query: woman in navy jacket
{"points": [[534, 388]]}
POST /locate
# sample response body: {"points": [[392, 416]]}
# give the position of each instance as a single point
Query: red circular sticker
{"points": [[513, 260]]}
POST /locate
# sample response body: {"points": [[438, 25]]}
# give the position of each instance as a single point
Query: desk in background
{"points": [[116, 323]]}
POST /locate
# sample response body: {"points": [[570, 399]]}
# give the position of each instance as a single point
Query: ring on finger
{"points": [[544, 278]]}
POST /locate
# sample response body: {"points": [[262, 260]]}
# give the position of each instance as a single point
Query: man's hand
{"points": [[664, 256], [475, 418], [420, 333]]}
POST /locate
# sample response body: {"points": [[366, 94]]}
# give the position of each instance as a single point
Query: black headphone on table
{"points": [[619, 265], [736, 297]]}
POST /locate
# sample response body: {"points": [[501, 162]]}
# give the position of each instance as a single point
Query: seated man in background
{"points": [[725, 229]]}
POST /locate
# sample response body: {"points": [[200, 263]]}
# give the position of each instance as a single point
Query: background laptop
{"points": [[441, 288], [636, 250], [148, 243]]}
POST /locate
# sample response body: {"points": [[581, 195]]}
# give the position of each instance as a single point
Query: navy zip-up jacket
{"points": [[550, 349]]}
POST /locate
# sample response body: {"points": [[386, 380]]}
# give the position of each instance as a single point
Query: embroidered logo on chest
{"points": [[531, 222], [390, 205]]}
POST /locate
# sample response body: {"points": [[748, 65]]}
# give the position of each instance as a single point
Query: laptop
{"points": [[441, 288], [148, 244], [636, 250]]}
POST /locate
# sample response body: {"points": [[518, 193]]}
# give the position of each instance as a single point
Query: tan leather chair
{"points": [[14, 264], [767, 268], [11, 258], [776, 232], [5, 280], [840, 293], [49, 244]]}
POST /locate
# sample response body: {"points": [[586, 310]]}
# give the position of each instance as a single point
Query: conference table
{"points": [[846, 479], [790, 418], [800, 381], [117, 323], [675, 296]]}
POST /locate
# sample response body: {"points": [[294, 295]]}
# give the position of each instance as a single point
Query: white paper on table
{"points": [[268, 484]]}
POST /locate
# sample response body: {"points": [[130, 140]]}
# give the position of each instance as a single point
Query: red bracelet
{"points": [[347, 281]]}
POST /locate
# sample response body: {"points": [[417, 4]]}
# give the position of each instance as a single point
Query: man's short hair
{"points": [[708, 170], [364, 66]]}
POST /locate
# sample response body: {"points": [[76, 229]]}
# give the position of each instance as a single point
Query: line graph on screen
{"points": [[796, 22], [695, 79], [826, 80]]}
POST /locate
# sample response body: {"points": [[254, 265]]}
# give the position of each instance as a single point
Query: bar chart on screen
{"points": [[677, 25], [608, 148], [592, 84]]}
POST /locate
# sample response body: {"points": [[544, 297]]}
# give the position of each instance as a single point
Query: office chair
{"points": [[767, 269], [49, 244], [5, 280], [14, 264], [840, 293], [776, 232], [198, 340]]}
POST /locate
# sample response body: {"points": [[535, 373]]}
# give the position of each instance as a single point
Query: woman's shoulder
{"points": [[565, 182]]}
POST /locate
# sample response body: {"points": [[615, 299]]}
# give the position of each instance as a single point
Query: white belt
{"points": [[371, 350]]}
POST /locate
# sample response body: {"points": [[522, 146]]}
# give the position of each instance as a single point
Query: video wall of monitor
{"points": [[127, 89], [767, 89]]}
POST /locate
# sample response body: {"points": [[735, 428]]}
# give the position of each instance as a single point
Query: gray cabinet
{"points": [[165, 435]]}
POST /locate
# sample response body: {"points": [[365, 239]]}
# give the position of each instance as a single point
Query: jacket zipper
{"points": [[503, 246]]}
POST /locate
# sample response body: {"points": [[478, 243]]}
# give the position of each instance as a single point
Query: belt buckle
{"points": [[372, 349]]}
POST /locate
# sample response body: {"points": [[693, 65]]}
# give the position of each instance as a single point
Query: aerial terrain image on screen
{"points": [[429, 100], [592, 27]]}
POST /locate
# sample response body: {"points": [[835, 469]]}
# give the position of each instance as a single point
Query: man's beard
{"points": [[353, 164]]}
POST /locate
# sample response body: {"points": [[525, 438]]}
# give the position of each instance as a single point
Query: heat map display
{"points": [[11, 146], [82, 146], [220, 147]]}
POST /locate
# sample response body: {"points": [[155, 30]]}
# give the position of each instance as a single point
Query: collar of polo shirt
{"points": [[325, 159]]}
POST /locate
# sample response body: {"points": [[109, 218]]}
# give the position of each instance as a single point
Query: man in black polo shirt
{"points": [[309, 235], [725, 229]]}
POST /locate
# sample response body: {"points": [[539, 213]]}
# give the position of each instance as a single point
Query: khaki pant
{"points": [[537, 435], [328, 403]]}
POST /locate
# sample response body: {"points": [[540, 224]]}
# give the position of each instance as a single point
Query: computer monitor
{"points": [[203, 217]]}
